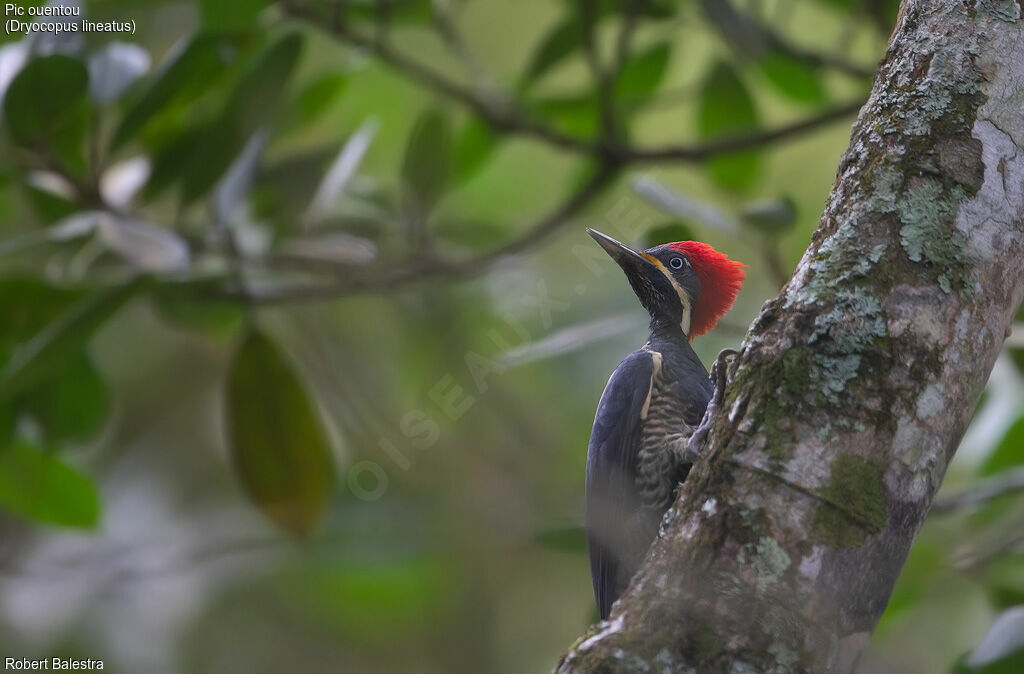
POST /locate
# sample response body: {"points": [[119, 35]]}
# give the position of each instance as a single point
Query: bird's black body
{"points": [[652, 403], [639, 446]]}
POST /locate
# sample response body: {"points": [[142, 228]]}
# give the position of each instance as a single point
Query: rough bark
{"points": [[854, 385]]}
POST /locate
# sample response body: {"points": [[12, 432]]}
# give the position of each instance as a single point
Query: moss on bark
{"points": [[853, 502]]}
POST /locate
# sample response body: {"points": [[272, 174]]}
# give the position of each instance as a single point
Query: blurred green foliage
{"points": [[279, 447], [312, 268], [36, 484], [726, 107]]}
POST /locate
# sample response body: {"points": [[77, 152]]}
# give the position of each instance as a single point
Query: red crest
{"points": [[720, 282]]}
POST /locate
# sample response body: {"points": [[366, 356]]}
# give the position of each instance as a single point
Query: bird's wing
{"points": [[612, 500]]}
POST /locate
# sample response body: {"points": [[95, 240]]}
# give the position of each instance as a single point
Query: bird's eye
{"points": [[677, 262]]}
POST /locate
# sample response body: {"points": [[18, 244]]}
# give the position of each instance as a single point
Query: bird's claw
{"points": [[719, 375]]}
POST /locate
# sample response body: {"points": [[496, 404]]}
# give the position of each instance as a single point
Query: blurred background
{"points": [[302, 335]]}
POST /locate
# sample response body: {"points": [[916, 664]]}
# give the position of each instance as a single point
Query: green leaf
{"points": [[793, 78], [198, 155], [70, 408], [642, 74], [475, 144], [253, 103], [277, 441], [186, 75], [286, 187], [565, 38], [650, 9], [216, 146], [171, 159], [319, 95], [49, 206], [217, 320], [660, 9], [396, 11], [668, 233], [557, 46], [725, 108], [773, 217], [62, 339], [236, 15], [189, 304], [27, 304], [47, 104], [576, 115], [426, 170], [39, 99], [257, 94], [1009, 453], [38, 486]]}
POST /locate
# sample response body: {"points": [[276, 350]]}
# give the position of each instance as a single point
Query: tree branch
{"points": [[395, 275], [500, 113], [608, 151], [449, 32], [624, 39], [989, 490], [854, 386], [730, 144], [752, 39], [605, 102], [818, 59], [390, 277]]}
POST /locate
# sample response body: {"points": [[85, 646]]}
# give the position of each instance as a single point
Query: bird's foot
{"points": [[719, 375]]}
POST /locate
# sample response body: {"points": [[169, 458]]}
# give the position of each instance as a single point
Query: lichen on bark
{"points": [[853, 387]]}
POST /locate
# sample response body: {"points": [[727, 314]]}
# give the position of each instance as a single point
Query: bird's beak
{"points": [[632, 262]]}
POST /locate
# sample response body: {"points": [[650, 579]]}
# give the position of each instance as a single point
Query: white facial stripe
{"points": [[684, 299], [684, 323]]}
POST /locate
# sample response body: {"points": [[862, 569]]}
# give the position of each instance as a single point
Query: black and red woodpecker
{"points": [[639, 447]]}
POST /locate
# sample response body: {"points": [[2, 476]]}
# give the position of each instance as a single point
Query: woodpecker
{"points": [[640, 445]]}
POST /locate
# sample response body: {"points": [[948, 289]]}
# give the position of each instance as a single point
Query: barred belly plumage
{"points": [[663, 437]]}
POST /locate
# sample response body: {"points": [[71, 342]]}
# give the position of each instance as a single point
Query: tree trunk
{"points": [[854, 386]]}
